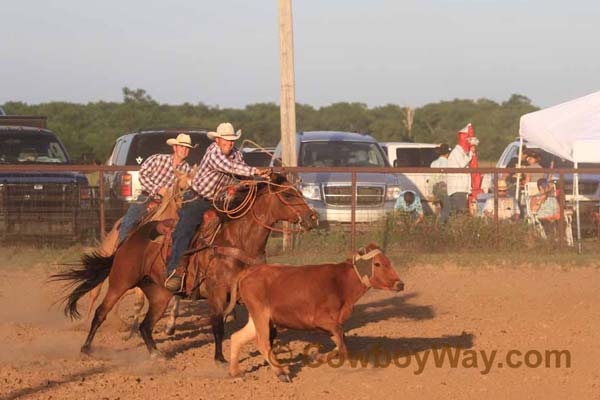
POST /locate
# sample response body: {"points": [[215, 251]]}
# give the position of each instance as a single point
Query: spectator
{"points": [[439, 188], [508, 209], [409, 203], [545, 206], [459, 185], [533, 161]]}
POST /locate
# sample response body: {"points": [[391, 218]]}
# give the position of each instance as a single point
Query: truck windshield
{"points": [[147, 144], [341, 154], [31, 148], [549, 160]]}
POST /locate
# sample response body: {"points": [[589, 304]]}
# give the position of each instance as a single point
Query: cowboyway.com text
{"points": [[444, 357]]}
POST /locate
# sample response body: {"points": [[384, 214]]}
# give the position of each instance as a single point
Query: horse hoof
{"points": [[170, 330], [220, 362], [284, 378], [85, 350]]}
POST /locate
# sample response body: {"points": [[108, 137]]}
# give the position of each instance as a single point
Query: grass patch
{"points": [[464, 241]]}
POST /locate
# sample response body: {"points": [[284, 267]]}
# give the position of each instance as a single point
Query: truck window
{"points": [[415, 157], [146, 144], [31, 148], [341, 154]]}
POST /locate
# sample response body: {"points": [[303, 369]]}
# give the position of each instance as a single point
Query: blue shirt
{"points": [[548, 208], [415, 207]]}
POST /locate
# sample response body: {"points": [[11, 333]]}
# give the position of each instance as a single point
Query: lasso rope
{"points": [[247, 203]]}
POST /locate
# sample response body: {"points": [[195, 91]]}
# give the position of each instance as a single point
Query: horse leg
{"points": [[173, 314], [158, 300], [137, 313], [112, 297], [217, 298], [94, 293], [238, 339]]}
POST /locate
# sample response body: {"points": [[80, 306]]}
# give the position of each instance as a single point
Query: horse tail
{"points": [[94, 271]]}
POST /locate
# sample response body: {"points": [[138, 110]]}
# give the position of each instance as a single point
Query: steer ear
{"points": [[370, 247]]}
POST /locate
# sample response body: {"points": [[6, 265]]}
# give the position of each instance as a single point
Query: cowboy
{"points": [[218, 168], [157, 175]]}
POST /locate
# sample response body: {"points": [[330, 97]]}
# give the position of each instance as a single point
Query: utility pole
{"points": [[287, 93]]}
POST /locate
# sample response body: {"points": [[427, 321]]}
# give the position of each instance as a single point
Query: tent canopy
{"points": [[570, 130]]}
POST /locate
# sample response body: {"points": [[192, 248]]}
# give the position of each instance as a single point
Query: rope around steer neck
{"points": [[365, 279]]}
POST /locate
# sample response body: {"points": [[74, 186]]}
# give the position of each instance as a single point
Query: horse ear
{"points": [[277, 178], [362, 251]]}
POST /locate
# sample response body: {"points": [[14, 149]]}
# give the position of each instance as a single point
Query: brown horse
{"points": [[166, 209], [138, 262]]}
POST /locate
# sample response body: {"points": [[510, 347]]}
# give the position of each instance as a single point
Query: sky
{"points": [[225, 53]]}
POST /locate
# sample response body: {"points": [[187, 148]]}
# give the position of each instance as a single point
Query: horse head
{"points": [[174, 196], [279, 200]]}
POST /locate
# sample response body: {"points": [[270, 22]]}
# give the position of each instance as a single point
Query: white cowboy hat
{"points": [[225, 131], [182, 139]]}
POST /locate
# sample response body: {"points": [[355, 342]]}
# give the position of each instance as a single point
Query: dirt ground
{"points": [[473, 311]]}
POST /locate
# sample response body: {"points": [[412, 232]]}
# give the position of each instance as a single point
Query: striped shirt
{"points": [[217, 170], [157, 172]]}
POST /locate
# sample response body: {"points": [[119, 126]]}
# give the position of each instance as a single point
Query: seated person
{"points": [[533, 161], [410, 203], [508, 209], [545, 206]]}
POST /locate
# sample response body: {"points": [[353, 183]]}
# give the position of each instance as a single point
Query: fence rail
{"points": [[356, 175]]}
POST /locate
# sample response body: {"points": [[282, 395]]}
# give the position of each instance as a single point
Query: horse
{"points": [[166, 209], [137, 262]]}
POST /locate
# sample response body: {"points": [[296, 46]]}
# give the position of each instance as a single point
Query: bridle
{"points": [[247, 204]]}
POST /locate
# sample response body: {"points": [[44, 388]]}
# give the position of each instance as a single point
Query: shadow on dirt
{"points": [[51, 384]]}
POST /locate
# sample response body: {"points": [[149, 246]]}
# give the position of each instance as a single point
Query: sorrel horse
{"points": [[137, 263], [165, 210]]}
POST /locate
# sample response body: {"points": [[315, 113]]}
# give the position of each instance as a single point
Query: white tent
{"points": [[569, 130]]}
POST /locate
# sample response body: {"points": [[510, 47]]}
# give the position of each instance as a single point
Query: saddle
{"points": [[163, 231]]}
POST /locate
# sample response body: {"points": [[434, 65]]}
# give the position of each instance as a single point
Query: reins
{"points": [[247, 204]]}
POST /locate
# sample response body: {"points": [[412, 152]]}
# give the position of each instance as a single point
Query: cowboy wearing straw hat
{"points": [[157, 174], [218, 167]]}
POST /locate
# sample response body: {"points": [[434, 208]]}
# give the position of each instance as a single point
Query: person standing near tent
{"points": [[459, 185]]}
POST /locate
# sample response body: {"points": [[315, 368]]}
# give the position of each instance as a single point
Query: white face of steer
{"points": [[383, 275]]}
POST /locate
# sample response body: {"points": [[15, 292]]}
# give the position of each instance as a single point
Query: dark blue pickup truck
{"points": [[35, 203]]}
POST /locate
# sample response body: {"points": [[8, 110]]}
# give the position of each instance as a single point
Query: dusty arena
{"points": [[515, 332]]}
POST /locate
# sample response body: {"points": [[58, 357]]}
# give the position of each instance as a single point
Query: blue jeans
{"points": [[133, 216], [190, 219]]}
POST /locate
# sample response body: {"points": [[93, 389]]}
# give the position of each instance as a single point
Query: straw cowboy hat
{"points": [[502, 185], [225, 131], [182, 139]]}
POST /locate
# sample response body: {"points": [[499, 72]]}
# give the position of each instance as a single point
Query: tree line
{"points": [[89, 130]]}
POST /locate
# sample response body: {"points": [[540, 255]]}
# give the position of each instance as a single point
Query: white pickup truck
{"points": [[407, 154]]}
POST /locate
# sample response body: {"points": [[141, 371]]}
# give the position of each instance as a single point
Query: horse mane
{"points": [[241, 191]]}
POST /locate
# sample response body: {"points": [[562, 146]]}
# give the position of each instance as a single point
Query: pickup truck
{"points": [[330, 194], [408, 154], [589, 184], [41, 204], [131, 150]]}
